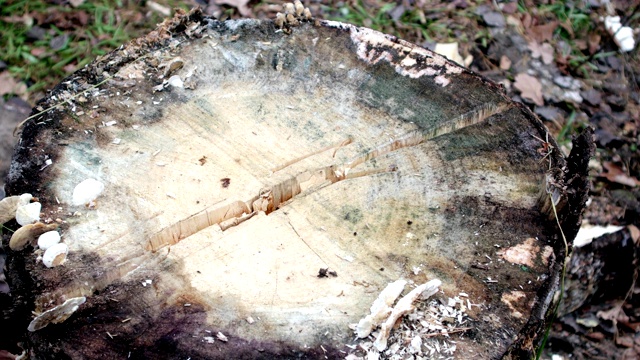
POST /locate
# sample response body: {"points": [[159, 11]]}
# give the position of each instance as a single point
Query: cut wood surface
{"points": [[239, 159]]}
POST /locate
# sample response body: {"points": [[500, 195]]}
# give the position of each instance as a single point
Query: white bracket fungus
{"points": [[28, 233], [9, 206], [87, 191], [374, 47], [588, 232], [56, 315], [28, 214]]}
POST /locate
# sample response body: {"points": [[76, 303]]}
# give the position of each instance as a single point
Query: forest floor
{"points": [[558, 58]]}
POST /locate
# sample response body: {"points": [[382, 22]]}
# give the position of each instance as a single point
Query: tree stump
{"points": [[267, 183]]}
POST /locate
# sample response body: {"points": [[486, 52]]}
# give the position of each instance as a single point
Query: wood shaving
{"points": [[404, 306], [380, 309], [221, 337], [425, 332]]}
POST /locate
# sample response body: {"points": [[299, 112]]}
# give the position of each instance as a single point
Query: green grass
{"points": [[567, 129], [554, 315], [110, 24], [572, 125], [432, 24], [575, 24]]}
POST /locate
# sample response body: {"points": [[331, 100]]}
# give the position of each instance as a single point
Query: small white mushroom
{"points": [[87, 191], [299, 7], [280, 19], [28, 214], [307, 13], [289, 8], [291, 20], [48, 239], [55, 255]]}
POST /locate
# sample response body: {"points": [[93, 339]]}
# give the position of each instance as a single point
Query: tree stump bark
{"points": [[239, 160]]}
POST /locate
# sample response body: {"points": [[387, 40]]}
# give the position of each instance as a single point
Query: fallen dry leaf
{"points": [[611, 314], [70, 68], [634, 232], [7, 83], [510, 7], [59, 42], [527, 20], [505, 63], [515, 22], [615, 174], [633, 326], [241, 5], [163, 10], [567, 26], [594, 42], [38, 51], [21, 91], [494, 19], [63, 20], [630, 128], [542, 33], [631, 353], [581, 44], [76, 3], [545, 51], [5, 355], [625, 341], [596, 335], [530, 88]]}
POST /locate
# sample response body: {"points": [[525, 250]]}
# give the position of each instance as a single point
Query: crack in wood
{"points": [[275, 197], [334, 147]]}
